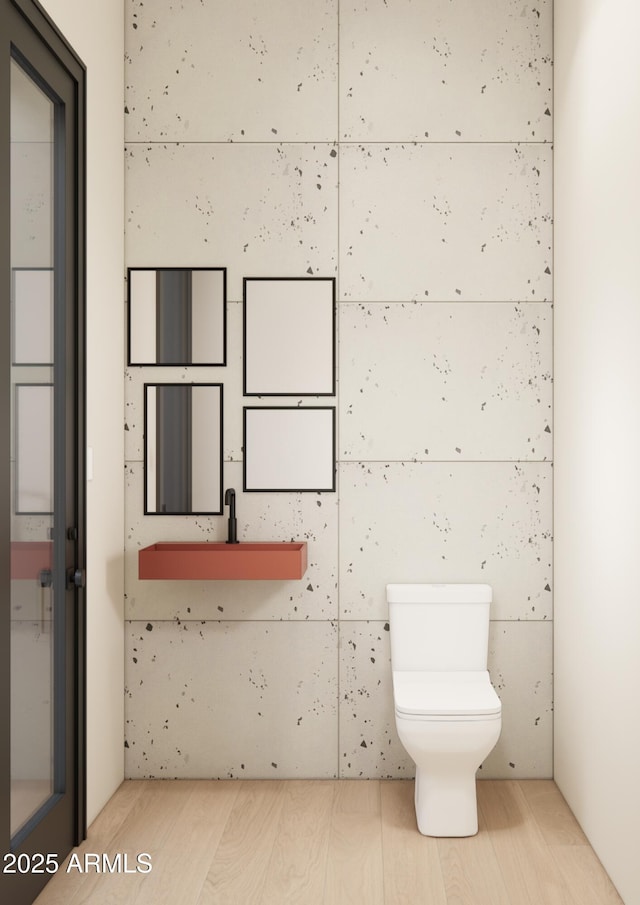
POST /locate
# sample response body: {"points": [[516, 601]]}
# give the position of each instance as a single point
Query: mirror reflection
{"points": [[183, 449], [177, 316], [32, 308]]}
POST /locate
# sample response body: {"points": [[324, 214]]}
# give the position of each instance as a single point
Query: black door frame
{"points": [[46, 31]]}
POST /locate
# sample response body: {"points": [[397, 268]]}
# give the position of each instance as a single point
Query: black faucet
{"points": [[230, 501]]}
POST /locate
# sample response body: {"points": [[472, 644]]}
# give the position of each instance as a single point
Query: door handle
{"points": [[76, 578]]}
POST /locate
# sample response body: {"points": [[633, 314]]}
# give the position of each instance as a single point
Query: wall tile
{"points": [[445, 222], [230, 377], [445, 381], [227, 699], [447, 70], [520, 666], [259, 210], [311, 517], [200, 71], [369, 743], [135, 379], [446, 522]]}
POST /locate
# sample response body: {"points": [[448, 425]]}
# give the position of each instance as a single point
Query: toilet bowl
{"points": [[448, 723], [448, 716]]}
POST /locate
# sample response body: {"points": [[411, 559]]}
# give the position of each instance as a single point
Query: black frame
{"points": [[186, 442], [292, 409], [25, 28], [293, 391], [190, 364]]}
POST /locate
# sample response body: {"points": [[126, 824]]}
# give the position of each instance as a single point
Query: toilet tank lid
{"points": [[439, 593]]}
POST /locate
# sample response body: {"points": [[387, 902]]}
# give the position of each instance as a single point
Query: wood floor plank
{"points": [[332, 842], [62, 889], [135, 817], [298, 864], [471, 872], [181, 866], [412, 871], [238, 870], [146, 830], [530, 875], [117, 810], [552, 813], [585, 876], [354, 868]]}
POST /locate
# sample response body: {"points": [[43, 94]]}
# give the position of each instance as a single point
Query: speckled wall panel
{"points": [[520, 663], [447, 381], [446, 70], [443, 222], [446, 522], [241, 699], [241, 71], [521, 667], [257, 209], [369, 744], [404, 148]]}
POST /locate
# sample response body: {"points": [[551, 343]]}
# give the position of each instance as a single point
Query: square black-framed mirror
{"points": [[289, 336], [183, 448], [177, 316], [289, 448]]}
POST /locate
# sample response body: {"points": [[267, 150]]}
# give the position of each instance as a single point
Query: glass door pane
{"points": [[37, 588]]}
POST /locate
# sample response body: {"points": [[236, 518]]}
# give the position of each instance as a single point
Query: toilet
{"points": [[448, 715]]}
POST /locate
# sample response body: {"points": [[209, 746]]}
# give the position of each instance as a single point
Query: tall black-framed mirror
{"points": [[183, 448]]}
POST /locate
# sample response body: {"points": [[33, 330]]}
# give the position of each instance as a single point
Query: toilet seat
{"points": [[461, 695]]}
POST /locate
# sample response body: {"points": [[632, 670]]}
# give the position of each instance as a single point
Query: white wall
{"points": [[597, 422], [95, 30]]}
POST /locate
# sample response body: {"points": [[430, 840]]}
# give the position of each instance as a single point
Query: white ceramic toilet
{"points": [[448, 715]]}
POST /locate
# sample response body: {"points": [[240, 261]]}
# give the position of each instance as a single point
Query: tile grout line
{"points": [[354, 142], [381, 619]]}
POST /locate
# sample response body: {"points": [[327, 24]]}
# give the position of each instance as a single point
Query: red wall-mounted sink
{"points": [[219, 561]]}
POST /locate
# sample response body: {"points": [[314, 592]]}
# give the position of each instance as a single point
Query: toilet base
{"points": [[446, 807]]}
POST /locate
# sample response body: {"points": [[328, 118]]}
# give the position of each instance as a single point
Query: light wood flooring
{"points": [[331, 843]]}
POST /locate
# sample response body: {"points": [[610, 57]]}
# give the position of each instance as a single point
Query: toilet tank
{"points": [[441, 627]]}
